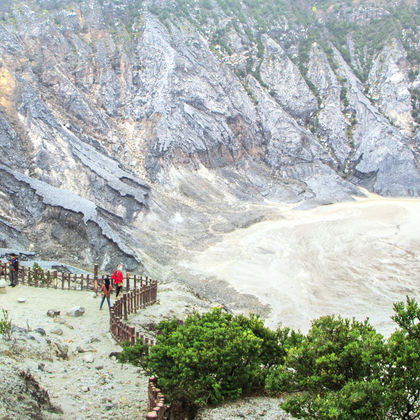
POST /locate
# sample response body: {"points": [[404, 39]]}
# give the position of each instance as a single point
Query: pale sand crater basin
{"points": [[353, 258]]}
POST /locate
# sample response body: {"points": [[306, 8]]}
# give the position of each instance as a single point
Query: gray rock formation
{"points": [[119, 119]]}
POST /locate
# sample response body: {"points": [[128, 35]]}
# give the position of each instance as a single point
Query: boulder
{"points": [[3, 285], [40, 331], [62, 350], [57, 330], [52, 313], [76, 311]]}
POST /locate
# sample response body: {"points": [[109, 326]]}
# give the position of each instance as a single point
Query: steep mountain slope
{"points": [[120, 118]]}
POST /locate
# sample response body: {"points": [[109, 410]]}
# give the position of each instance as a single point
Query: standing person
{"points": [[106, 292], [13, 270], [118, 279]]}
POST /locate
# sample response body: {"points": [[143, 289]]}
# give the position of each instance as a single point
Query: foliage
{"points": [[133, 354], [5, 325], [344, 369], [334, 352], [402, 375], [37, 274], [212, 356]]}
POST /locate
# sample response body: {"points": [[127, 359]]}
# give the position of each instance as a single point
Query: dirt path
{"points": [[90, 385]]}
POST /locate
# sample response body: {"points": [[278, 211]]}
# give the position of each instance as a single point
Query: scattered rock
{"points": [[3, 285], [100, 367], [76, 311], [62, 350], [80, 349], [40, 331], [21, 300], [41, 366], [52, 313], [89, 358], [64, 322], [57, 330], [93, 340]]}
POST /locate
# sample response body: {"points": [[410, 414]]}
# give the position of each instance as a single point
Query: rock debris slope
{"points": [[121, 121]]}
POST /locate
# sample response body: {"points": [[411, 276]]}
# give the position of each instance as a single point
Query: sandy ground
{"points": [[82, 387], [353, 258]]}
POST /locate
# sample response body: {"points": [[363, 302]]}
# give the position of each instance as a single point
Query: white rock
{"points": [[89, 358], [76, 311], [21, 300]]}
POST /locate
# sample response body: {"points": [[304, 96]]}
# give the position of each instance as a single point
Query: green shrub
{"points": [[345, 370], [133, 354], [212, 356], [5, 325]]}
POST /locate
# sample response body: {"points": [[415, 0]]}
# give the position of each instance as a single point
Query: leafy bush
{"points": [[133, 354], [5, 325], [334, 352], [345, 370], [342, 369], [402, 374], [212, 356]]}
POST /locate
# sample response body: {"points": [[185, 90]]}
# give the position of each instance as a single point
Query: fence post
{"points": [[127, 281], [55, 274], [124, 299], [68, 280], [81, 281], [132, 331], [95, 278], [62, 281], [23, 273], [48, 278]]}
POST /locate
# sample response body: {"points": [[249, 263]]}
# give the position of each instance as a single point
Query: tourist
{"points": [[106, 292], [13, 269], [118, 279]]}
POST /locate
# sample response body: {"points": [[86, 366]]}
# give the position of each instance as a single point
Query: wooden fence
{"points": [[140, 292], [156, 405], [66, 281], [130, 303]]}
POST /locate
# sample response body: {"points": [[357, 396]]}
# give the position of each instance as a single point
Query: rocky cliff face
{"points": [[128, 130]]}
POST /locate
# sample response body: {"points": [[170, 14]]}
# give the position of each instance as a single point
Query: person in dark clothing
{"points": [[106, 292], [13, 270]]}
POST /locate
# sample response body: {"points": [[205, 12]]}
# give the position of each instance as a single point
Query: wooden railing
{"points": [[66, 281], [140, 292], [156, 405], [130, 303]]}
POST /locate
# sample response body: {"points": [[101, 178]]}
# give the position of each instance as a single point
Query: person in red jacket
{"points": [[117, 277], [106, 292]]}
